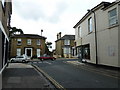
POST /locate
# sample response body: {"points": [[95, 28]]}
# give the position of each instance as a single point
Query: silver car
{"points": [[19, 59]]}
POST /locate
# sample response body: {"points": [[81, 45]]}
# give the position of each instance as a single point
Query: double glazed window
{"points": [[18, 51], [28, 41], [79, 31], [90, 25], [38, 42], [19, 41], [113, 17], [66, 42], [67, 50], [38, 52]]}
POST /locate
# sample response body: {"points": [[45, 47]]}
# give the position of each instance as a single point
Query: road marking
{"points": [[39, 62], [55, 83], [48, 63]]}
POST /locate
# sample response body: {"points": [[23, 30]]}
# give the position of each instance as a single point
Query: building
{"points": [[64, 45], [96, 34], [31, 45], [5, 16]]}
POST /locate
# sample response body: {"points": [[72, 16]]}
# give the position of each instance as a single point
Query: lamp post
{"points": [[95, 35]]}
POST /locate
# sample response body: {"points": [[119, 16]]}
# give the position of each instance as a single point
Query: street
{"points": [[72, 76]]}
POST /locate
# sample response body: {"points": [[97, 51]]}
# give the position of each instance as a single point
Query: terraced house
{"points": [[5, 16], [31, 45], [96, 34], [64, 45]]}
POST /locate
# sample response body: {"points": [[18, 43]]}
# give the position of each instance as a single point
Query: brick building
{"points": [[28, 44]]}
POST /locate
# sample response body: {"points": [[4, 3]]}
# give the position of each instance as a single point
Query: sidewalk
{"points": [[108, 71], [18, 75]]}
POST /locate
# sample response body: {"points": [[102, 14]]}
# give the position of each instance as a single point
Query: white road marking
{"points": [[48, 62]]}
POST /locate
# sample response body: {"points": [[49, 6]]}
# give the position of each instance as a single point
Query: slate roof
{"points": [[28, 36], [68, 37]]}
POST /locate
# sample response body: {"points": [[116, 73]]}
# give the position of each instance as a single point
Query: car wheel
{"points": [[12, 60], [42, 59], [53, 59], [23, 60]]}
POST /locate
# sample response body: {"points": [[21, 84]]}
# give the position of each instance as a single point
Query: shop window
{"points": [[86, 51]]}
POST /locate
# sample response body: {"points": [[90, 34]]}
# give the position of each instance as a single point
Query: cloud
{"points": [[28, 9], [37, 10], [60, 9]]}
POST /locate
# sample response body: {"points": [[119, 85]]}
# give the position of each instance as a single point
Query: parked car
{"points": [[22, 58], [46, 57]]}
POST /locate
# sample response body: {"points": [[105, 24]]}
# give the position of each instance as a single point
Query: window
{"points": [[79, 31], [19, 41], [112, 17], [38, 42], [66, 50], [66, 42], [28, 41], [90, 24], [38, 52], [18, 52], [86, 51]]}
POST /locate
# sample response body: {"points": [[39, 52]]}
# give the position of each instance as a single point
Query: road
{"points": [[71, 76]]}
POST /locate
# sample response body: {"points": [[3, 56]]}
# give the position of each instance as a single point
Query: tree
{"points": [[14, 30], [48, 45]]}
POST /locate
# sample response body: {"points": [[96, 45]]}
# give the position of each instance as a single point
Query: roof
{"points": [[68, 37], [105, 4], [28, 36]]}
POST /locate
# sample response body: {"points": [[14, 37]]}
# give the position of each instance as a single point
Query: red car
{"points": [[46, 58]]}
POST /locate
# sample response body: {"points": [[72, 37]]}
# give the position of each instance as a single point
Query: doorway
{"points": [[28, 52]]}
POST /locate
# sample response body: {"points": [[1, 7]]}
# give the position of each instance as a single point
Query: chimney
{"points": [[59, 35], [117, 0]]}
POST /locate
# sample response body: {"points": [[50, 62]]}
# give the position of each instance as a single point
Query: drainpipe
{"points": [[95, 35]]}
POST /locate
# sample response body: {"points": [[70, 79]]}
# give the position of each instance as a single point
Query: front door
{"points": [[28, 52]]}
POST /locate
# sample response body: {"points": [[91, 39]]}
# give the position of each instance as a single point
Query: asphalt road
{"points": [[71, 76]]}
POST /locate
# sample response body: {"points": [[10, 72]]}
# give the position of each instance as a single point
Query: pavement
{"points": [[105, 70], [20, 75]]}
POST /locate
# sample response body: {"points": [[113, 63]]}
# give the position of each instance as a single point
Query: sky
{"points": [[52, 16]]}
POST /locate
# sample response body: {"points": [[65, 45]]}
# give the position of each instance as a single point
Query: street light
{"points": [[95, 34]]}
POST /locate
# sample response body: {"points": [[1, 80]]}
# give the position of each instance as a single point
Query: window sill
{"points": [[19, 44], [112, 26], [90, 32]]}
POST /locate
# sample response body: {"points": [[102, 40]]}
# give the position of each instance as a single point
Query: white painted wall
{"points": [[107, 38]]}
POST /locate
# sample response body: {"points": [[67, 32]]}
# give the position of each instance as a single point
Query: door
{"points": [[28, 52]]}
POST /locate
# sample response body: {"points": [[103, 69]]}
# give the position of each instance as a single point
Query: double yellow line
{"points": [[55, 83]]}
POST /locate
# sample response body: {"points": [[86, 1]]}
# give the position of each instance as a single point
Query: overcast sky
{"points": [[53, 16]]}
